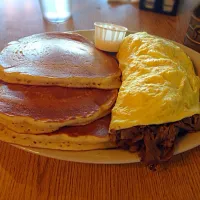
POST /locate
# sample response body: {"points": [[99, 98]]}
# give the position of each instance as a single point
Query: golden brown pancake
{"points": [[39, 109], [91, 136], [62, 59]]}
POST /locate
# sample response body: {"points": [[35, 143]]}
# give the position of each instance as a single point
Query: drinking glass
{"points": [[56, 11]]}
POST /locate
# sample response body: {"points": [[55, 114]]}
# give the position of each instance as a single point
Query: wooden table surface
{"points": [[27, 176]]}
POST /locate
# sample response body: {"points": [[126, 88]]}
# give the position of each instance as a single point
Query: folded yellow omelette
{"points": [[159, 84]]}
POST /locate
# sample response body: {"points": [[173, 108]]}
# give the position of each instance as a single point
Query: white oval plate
{"points": [[117, 156]]}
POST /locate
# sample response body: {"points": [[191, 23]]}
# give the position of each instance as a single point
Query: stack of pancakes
{"points": [[57, 91]]}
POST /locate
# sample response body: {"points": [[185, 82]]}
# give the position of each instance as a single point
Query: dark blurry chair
{"points": [[192, 38]]}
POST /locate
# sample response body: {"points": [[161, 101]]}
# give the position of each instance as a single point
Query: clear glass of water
{"points": [[56, 11]]}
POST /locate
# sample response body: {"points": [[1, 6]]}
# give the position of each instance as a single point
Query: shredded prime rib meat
{"points": [[155, 143]]}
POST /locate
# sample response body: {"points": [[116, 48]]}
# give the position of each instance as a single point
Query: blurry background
{"points": [[19, 18]]}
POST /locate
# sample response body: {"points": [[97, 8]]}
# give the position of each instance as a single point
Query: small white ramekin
{"points": [[108, 36]]}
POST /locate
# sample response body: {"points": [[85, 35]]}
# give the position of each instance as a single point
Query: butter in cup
{"points": [[108, 37]]}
